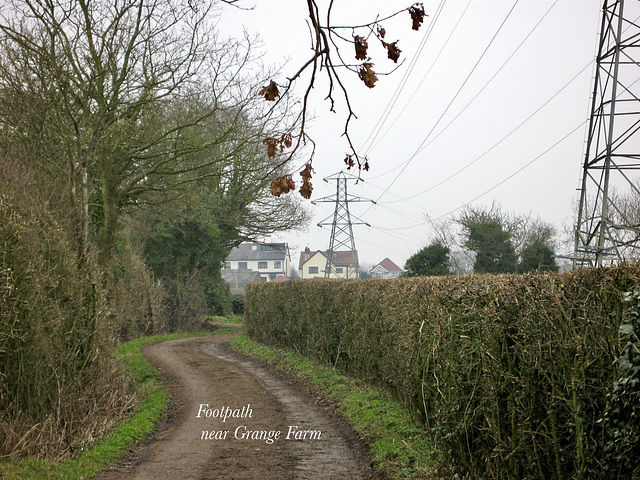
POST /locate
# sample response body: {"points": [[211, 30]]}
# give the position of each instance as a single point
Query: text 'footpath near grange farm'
{"points": [[244, 432]]}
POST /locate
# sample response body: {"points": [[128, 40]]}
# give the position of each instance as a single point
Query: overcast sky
{"points": [[490, 105]]}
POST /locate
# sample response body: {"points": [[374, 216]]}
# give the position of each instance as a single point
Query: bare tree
{"points": [[500, 238], [446, 231], [131, 90]]}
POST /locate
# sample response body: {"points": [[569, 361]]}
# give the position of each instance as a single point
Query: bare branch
{"points": [[325, 40]]}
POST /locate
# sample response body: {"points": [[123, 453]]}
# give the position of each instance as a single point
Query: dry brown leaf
{"points": [[275, 187], [306, 172], [361, 47], [272, 146], [348, 161], [286, 140], [393, 52], [367, 75], [270, 92], [280, 185], [417, 15], [306, 189]]}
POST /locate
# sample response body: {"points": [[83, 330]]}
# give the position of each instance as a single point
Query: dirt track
{"points": [[202, 371]]}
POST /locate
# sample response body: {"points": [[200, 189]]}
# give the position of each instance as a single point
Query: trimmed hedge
{"points": [[511, 373]]}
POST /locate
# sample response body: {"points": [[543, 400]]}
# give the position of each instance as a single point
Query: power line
{"points": [[505, 137], [396, 94], [538, 157], [516, 172], [497, 72], [386, 203], [451, 102], [387, 247], [499, 141]]}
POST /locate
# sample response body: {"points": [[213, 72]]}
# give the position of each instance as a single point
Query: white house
{"points": [[386, 269], [268, 259]]}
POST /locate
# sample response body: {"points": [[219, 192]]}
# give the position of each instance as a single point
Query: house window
{"points": [[262, 265], [277, 264], [242, 265], [227, 265], [313, 270], [339, 270]]}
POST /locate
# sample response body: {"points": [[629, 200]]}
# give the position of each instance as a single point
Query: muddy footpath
{"points": [[231, 417]]}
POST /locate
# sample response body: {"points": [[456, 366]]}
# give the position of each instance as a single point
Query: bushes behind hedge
{"points": [[511, 373]]}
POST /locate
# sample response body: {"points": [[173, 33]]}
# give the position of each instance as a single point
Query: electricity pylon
{"points": [[608, 222], [342, 245]]}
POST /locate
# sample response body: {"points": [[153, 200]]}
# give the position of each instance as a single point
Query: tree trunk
{"points": [[85, 211], [110, 211]]}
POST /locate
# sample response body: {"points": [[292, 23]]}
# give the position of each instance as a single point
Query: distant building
{"points": [[386, 269], [237, 280], [250, 262], [313, 263]]}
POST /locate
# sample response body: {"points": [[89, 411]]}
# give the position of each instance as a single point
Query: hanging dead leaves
{"points": [[417, 15], [306, 188], [270, 92], [366, 73], [393, 52], [361, 47], [278, 145], [351, 160], [285, 183]]}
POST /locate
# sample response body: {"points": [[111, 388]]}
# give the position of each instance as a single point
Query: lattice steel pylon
{"points": [[608, 222], [342, 256]]}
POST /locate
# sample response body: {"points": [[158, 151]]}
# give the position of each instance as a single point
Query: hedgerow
{"points": [[516, 376]]}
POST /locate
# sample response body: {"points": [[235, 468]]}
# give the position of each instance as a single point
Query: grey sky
{"points": [[494, 109]]}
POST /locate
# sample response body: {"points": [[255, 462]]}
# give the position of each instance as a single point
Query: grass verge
{"points": [[237, 319], [398, 447], [152, 404]]}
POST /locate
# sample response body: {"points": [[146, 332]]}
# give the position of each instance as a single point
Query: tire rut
{"points": [[202, 371]]}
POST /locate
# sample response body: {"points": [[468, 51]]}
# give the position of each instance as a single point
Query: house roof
{"points": [[238, 279], [388, 265], [345, 257], [306, 255], [258, 251]]}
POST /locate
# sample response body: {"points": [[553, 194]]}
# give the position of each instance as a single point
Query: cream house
{"points": [[313, 263]]}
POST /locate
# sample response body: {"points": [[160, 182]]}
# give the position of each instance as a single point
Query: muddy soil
{"points": [[256, 401]]}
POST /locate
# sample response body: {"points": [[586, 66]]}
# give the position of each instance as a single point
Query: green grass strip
{"points": [[399, 448], [237, 319], [153, 403]]}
